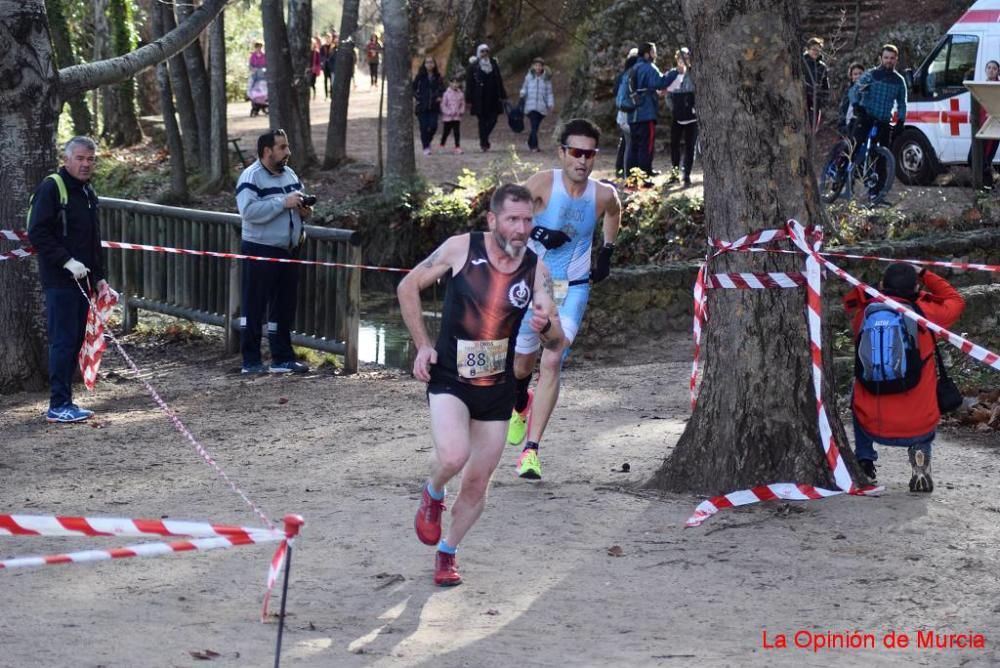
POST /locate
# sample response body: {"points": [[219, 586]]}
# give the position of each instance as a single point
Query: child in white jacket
{"points": [[538, 99]]}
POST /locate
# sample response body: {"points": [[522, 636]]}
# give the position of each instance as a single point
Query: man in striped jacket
{"points": [[271, 203]]}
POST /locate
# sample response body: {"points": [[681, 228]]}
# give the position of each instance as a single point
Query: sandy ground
{"points": [[541, 587]]}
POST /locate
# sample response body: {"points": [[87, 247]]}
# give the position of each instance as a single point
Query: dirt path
{"points": [[349, 453]]}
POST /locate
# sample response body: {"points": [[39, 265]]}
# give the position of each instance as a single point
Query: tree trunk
{"points": [[31, 92], [219, 177], [104, 101], [28, 115], [178, 171], [336, 131], [181, 87], [83, 121], [201, 91], [300, 48], [756, 419], [283, 105], [121, 127], [470, 29], [400, 163]]}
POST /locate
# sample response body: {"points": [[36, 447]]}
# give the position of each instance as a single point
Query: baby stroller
{"points": [[258, 93]]}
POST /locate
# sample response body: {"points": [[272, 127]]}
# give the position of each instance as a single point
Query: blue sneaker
{"points": [[254, 369], [68, 413], [289, 367]]}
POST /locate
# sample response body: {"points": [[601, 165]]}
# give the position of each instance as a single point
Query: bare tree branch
{"points": [[78, 78]]}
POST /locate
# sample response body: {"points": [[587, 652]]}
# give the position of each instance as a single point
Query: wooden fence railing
{"points": [[207, 289]]}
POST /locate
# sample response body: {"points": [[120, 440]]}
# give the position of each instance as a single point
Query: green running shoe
{"points": [[528, 465], [518, 427]]}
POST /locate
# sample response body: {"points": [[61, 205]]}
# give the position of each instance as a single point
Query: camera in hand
{"points": [[308, 200]]}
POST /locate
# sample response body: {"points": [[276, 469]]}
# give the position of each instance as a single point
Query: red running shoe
{"points": [[446, 570], [428, 519]]}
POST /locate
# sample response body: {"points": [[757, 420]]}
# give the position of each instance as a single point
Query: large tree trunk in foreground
{"points": [[178, 192], [283, 105], [400, 163], [300, 30], [31, 93], [336, 131], [201, 92], [470, 29], [756, 421], [83, 121]]}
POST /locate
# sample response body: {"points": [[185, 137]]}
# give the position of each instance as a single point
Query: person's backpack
{"points": [[628, 96], [63, 201], [887, 355], [515, 115]]}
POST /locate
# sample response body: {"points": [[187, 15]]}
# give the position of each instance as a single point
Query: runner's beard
{"points": [[508, 247]]}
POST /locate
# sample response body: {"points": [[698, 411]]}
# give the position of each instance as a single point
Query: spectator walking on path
{"points": [[327, 54], [816, 80], [622, 164], [271, 203], [373, 55], [258, 61], [315, 65], [496, 282], [642, 120], [684, 126], [894, 401], [484, 92], [428, 87], [536, 91], [63, 227], [452, 110]]}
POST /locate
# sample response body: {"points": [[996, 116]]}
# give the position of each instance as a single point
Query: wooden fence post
{"points": [[233, 291], [353, 324]]}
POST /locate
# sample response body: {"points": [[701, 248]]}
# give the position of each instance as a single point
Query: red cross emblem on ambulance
{"points": [[954, 116]]}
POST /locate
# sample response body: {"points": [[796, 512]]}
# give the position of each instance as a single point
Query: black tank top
{"points": [[483, 308]]}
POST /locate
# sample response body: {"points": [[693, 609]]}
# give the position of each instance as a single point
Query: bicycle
{"points": [[872, 164]]}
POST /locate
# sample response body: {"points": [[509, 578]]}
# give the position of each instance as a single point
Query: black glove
{"points": [[603, 268], [549, 238]]}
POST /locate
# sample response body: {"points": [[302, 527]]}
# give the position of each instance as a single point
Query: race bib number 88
{"points": [[476, 359]]}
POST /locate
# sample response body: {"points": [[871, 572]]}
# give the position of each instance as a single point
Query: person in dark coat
{"points": [[428, 87], [484, 92], [815, 78]]}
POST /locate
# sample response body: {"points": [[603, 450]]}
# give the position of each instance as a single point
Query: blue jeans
{"points": [[536, 118], [66, 320], [864, 443], [428, 121]]}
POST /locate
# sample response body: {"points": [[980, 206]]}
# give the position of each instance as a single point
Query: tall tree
{"points": [[178, 169], [400, 163], [336, 130], [300, 30], [181, 86], [283, 105], [121, 117], [218, 172], [31, 94], [756, 418], [201, 92], [65, 53], [470, 27]]}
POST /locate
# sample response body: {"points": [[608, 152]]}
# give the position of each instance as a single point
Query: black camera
{"points": [[308, 200]]}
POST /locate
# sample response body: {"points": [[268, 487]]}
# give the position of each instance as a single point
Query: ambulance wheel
{"points": [[914, 159]]}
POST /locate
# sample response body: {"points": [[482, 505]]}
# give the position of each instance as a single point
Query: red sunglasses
{"points": [[586, 153]]}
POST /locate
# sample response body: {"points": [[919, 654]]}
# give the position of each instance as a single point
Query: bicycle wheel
{"points": [[834, 175], [879, 173]]}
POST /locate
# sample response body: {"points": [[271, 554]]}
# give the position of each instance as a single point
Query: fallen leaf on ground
{"points": [[616, 551], [206, 655]]}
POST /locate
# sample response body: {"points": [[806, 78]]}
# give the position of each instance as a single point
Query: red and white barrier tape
{"points": [[756, 281], [758, 238], [14, 235]]}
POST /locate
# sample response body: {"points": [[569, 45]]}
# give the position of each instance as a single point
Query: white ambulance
{"points": [[938, 131]]}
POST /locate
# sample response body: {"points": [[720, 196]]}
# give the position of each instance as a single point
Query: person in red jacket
{"points": [[907, 418]]}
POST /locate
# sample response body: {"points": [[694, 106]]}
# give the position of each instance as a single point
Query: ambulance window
{"points": [[954, 62]]}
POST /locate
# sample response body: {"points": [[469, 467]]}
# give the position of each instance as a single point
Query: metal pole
{"points": [[292, 525], [977, 145]]}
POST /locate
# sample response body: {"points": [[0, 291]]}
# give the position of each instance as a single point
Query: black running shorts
{"points": [[486, 403]]}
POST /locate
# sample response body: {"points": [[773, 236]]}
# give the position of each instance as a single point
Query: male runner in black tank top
{"points": [[470, 370]]}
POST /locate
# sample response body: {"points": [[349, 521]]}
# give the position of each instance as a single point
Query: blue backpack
{"points": [[887, 355], [627, 95]]}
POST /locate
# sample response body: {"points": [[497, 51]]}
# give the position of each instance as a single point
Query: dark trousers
{"points": [[487, 121], [688, 133], [428, 121], [269, 288], [373, 70], [452, 126], [862, 127], [624, 149], [66, 318], [535, 118], [643, 145], [326, 83], [989, 152]]}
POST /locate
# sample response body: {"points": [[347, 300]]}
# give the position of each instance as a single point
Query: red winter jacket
{"points": [[914, 412]]}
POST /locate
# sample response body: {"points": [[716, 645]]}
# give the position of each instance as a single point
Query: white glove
{"points": [[77, 268]]}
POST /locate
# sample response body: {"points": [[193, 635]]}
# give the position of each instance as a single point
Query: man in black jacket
{"points": [[815, 78], [63, 227]]}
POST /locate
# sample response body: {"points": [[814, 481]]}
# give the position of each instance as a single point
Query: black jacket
{"points": [[484, 92], [427, 91], [82, 238], [816, 80]]}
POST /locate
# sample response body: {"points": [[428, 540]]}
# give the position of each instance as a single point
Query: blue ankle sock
{"points": [[446, 548], [434, 494], [530, 445]]}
